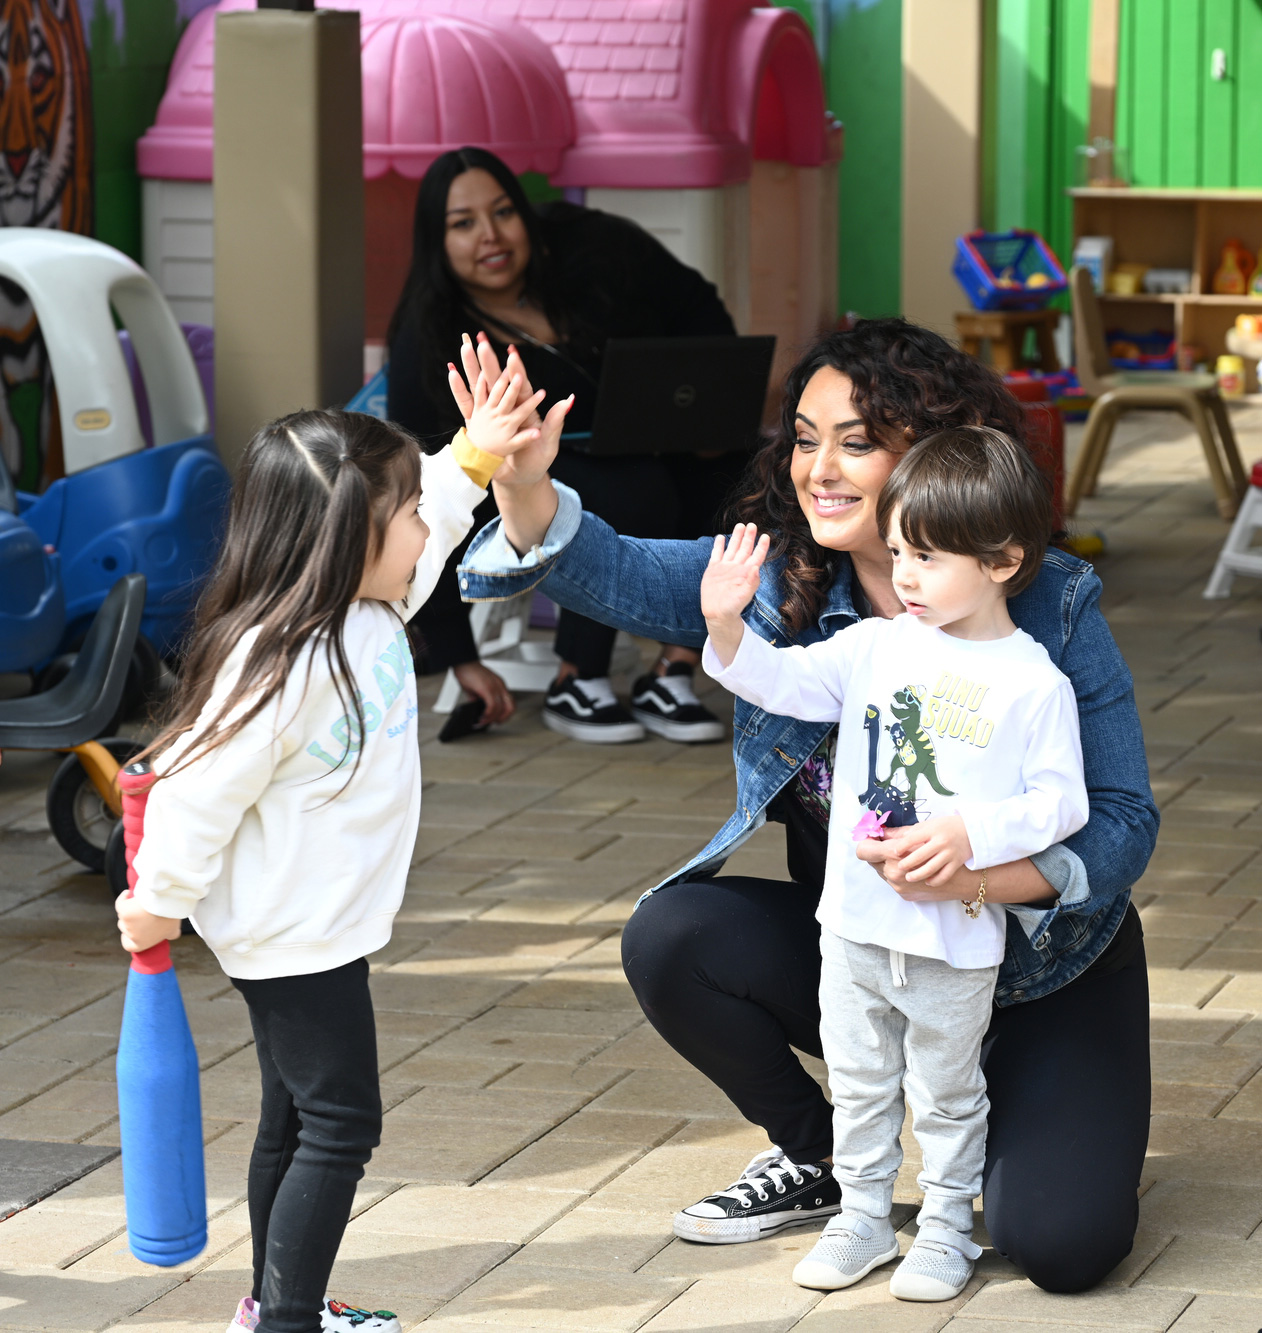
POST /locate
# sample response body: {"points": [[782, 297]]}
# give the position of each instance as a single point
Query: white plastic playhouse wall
{"points": [[703, 120]]}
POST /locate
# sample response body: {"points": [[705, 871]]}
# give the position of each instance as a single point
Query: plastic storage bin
{"points": [[1157, 350], [984, 261]]}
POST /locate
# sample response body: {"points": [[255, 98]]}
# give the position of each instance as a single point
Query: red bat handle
{"points": [[134, 782]]}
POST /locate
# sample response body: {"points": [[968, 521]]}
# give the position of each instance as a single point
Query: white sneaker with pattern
{"points": [[936, 1268], [850, 1247]]}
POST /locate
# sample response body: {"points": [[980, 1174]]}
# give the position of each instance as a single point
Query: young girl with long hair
{"points": [[288, 788]]}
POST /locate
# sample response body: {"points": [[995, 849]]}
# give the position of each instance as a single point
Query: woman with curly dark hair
{"points": [[727, 968]]}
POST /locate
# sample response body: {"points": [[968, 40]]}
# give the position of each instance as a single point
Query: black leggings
{"points": [[320, 1120], [727, 970]]}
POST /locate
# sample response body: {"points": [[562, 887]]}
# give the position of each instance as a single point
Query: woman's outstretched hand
{"points": [[500, 418], [728, 585], [534, 448]]}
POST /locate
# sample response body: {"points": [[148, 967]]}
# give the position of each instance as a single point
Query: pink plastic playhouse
{"points": [[703, 120]]}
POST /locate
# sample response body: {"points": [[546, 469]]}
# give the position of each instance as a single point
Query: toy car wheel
{"points": [[116, 860], [80, 820]]}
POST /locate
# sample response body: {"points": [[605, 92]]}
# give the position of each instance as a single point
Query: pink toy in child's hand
{"points": [[870, 826]]}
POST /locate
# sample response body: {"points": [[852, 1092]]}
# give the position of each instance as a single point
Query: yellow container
{"points": [[1230, 372]]}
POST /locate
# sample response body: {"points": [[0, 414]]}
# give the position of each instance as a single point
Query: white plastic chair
{"points": [[499, 631], [1239, 555]]}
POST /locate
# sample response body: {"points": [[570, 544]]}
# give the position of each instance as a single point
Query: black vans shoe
{"points": [[588, 710], [772, 1194], [668, 706]]}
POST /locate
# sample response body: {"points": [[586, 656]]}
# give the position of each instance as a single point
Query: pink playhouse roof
{"points": [[639, 93]]}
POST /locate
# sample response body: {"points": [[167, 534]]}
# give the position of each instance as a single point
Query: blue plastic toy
{"points": [[1007, 270], [121, 507]]}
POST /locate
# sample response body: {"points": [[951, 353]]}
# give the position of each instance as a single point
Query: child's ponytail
{"points": [[313, 496]]}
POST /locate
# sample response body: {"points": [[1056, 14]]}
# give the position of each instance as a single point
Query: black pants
{"points": [[320, 1121], [676, 495], [727, 970]]}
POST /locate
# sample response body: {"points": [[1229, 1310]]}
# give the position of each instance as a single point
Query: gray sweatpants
{"points": [[880, 1037]]}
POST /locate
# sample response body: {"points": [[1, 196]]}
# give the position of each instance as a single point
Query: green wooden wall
{"points": [[130, 48], [860, 44], [1183, 127], [1034, 115]]}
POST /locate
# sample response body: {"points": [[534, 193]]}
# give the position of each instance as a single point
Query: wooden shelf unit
{"points": [[1174, 229]]}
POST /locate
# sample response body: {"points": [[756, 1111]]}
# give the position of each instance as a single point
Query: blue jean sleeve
{"points": [[650, 588], [1111, 851]]}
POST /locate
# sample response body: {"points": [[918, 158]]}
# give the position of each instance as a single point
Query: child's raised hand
{"points": [[532, 449], [729, 583], [942, 848], [499, 418]]}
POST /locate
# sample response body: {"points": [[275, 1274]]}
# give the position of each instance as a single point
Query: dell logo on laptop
{"points": [[684, 396]]}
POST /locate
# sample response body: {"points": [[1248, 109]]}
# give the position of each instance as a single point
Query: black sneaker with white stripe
{"points": [[773, 1193], [669, 706], [588, 710]]}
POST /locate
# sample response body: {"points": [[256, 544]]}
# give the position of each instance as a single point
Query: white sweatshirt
{"points": [[987, 730], [284, 866]]}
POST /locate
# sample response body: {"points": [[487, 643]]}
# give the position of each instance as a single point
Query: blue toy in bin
{"points": [[121, 508], [1007, 270]]}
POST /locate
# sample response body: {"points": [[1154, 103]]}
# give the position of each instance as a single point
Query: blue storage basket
{"points": [[982, 258]]}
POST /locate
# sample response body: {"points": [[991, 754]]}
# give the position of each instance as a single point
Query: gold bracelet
{"points": [[974, 909]]}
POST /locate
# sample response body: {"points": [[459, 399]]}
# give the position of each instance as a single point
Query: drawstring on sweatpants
{"points": [[898, 967]]}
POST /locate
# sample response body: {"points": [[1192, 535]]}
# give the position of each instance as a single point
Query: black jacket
{"points": [[614, 280]]}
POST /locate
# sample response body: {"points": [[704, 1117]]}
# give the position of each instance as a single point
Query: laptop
{"points": [[678, 395]]}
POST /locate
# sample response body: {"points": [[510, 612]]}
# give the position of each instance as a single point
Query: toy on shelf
{"points": [[1095, 254], [1127, 279], [159, 1091], [121, 507], [1010, 270], [1142, 351], [1231, 277], [1229, 371]]}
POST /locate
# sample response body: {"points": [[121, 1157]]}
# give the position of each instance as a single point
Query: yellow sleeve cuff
{"points": [[477, 464]]}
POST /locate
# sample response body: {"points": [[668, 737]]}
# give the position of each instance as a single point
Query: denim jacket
{"points": [[652, 588]]}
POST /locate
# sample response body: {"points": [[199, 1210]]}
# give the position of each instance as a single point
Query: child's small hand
{"points": [[942, 849], [499, 422], [533, 448], [141, 930], [729, 582]]}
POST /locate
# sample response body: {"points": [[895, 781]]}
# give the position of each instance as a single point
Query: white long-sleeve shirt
{"points": [[285, 867], [936, 725]]}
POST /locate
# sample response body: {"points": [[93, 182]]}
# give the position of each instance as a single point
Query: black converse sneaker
{"points": [[588, 710], [667, 705], [772, 1193]]}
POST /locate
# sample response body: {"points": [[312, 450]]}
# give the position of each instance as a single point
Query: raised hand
{"points": [[500, 413], [528, 463], [728, 585]]}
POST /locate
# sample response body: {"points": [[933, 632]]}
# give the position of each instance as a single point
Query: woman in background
{"points": [[557, 283]]}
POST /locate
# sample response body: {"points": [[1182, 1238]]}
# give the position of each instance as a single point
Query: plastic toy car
{"points": [[121, 508]]}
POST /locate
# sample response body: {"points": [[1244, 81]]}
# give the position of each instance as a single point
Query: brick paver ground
{"points": [[540, 1135]]}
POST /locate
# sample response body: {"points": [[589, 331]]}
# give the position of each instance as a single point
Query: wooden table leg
{"points": [[1049, 362], [1005, 352]]}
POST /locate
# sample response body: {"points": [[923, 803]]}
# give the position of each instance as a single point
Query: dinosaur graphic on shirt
{"points": [[914, 755], [878, 796]]}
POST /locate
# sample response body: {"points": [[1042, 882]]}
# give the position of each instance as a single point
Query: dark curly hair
{"points": [[908, 382]]}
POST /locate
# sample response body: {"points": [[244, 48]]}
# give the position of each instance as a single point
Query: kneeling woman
{"points": [[726, 968]]}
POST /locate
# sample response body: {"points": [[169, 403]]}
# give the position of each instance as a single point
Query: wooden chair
{"points": [[1118, 392]]}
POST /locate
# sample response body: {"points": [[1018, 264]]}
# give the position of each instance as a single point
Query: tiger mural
{"points": [[45, 181]]}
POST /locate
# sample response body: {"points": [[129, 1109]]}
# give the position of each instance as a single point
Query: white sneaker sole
{"points": [[738, 1230], [921, 1287], [819, 1276], [685, 733], [594, 733]]}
